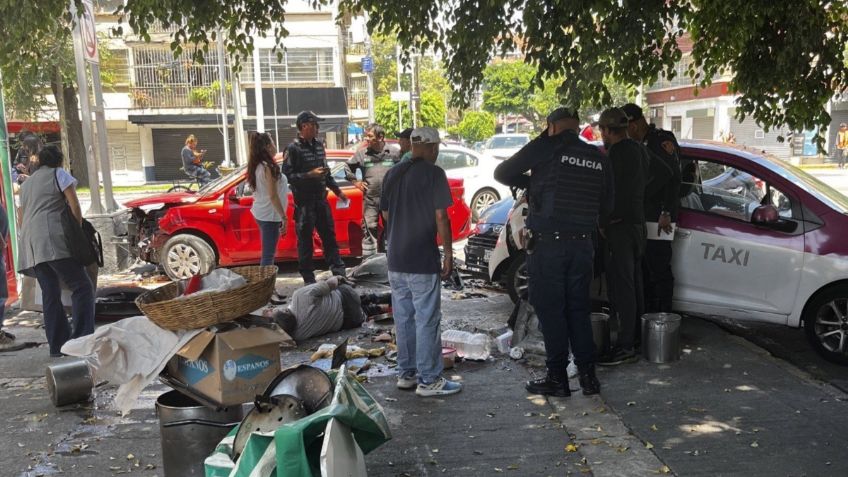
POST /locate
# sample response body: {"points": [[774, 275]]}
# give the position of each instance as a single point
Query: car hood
{"points": [[502, 153], [167, 198]]}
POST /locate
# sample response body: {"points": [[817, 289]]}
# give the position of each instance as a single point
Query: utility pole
{"points": [[400, 103], [222, 79], [415, 104], [257, 80], [368, 68]]}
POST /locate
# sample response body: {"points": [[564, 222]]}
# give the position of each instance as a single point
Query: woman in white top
{"points": [[270, 193]]}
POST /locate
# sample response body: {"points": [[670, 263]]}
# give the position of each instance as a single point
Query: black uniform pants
{"points": [[659, 280], [309, 216], [370, 225], [625, 250], [560, 273]]}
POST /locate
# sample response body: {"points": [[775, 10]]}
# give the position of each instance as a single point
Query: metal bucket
{"points": [[601, 332], [190, 432], [70, 382], [661, 337]]}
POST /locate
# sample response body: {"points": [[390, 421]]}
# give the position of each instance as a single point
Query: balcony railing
{"points": [[160, 81], [357, 100]]}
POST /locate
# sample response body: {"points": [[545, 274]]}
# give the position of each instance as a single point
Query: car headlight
{"points": [[496, 229]]}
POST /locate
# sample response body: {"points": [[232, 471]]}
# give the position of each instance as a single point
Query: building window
{"points": [[676, 125], [114, 68], [300, 65]]}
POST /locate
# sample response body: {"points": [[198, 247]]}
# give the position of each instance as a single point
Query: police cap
{"points": [[307, 117], [563, 113]]}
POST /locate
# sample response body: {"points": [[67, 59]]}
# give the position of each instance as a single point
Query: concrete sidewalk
{"points": [[727, 408]]}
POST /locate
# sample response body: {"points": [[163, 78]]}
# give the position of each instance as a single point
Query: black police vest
{"points": [[566, 190], [304, 157]]}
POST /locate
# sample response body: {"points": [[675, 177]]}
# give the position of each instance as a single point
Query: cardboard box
{"points": [[229, 367]]}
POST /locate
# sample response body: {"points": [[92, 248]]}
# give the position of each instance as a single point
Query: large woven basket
{"points": [[206, 309]]}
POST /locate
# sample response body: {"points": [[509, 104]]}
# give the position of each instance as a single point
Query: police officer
{"points": [[570, 185], [374, 160], [624, 231], [662, 199], [305, 166]]}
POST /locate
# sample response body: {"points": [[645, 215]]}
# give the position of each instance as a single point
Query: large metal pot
{"points": [[601, 332], [70, 382], [190, 432], [661, 337]]}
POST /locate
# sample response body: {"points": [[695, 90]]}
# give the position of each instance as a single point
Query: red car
{"points": [[190, 233]]}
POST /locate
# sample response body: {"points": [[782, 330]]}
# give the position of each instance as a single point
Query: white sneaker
{"points": [[572, 370], [407, 380], [440, 387]]}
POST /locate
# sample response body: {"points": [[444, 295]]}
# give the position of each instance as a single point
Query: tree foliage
{"points": [[475, 126], [785, 59], [432, 112]]}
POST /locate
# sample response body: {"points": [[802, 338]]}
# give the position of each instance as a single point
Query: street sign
{"points": [[89, 33], [414, 96], [367, 64], [400, 95]]}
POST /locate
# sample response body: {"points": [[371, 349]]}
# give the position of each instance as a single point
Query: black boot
{"points": [[588, 381], [550, 385]]}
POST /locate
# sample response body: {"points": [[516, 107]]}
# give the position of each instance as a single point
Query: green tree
{"points": [[28, 80], [475, 126], [785, 62], [432, 112], [508, 89]]}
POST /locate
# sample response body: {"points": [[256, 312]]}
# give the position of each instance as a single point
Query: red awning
{"points": [[14, 127]]}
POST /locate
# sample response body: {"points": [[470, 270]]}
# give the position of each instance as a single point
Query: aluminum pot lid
{"points": [[309, 384], [268, 417]]}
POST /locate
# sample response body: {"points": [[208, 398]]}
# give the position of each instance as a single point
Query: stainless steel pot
{"points": [[661, 337], [190, 432], [70, 382]]}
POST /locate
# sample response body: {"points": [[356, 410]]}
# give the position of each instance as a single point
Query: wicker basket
{"points": [[207, 309]]}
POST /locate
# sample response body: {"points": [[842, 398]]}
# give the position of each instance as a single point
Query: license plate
{"points": [[487, 254]]}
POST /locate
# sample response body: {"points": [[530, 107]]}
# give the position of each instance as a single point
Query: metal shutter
{"points": [[748, 133], [702, 128], [167, 144]]}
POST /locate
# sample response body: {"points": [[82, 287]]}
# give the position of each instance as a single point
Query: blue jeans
{"points": [[560, 273], [270, 234], [417, 308], [56, 324]]}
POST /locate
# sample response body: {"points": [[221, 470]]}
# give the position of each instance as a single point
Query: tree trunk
{"points": [[69, 117]]}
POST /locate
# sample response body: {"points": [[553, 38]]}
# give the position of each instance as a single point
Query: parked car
{"points": [[190, 233], [484, 236], [477, 171], [777, 257], [503, 146]]}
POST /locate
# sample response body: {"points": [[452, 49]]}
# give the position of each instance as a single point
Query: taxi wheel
{"points": [[826, 324], [515, 277], [185, 255]]}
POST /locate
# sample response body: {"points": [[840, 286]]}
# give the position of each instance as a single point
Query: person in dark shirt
{"points": [[374, 161], [624, 231], [305, 166], [571, 186], [193, 161], [414, 203], [404, 143], [662, 200]]}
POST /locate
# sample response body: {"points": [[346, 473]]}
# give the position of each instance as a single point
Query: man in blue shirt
{"points": [[414, 204]]}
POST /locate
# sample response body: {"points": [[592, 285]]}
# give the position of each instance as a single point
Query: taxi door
{"points": [[723, 263]]}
